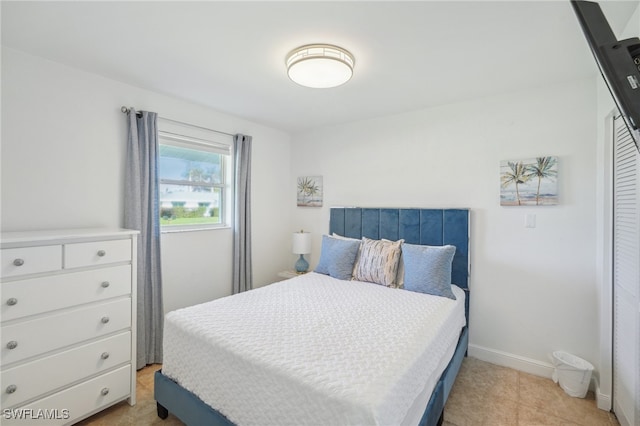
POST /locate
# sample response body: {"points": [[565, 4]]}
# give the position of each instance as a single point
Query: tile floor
{"points": [[484, 394]]}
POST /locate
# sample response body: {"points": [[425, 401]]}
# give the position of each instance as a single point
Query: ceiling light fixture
{"points": [[320, 65]]}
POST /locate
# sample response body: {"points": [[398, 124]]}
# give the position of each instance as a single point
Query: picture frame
{"points": [[529, 182], [309, 191]]}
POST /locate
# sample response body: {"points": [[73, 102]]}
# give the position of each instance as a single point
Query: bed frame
{"points": [[416, 226]]}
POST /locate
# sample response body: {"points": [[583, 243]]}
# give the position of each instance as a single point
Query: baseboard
{"points": [[517, 362], [603, 401]]}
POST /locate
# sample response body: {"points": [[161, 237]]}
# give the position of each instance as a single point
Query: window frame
{"points": [[182, 135]]}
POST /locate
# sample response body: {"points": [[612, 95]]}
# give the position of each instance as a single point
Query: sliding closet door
{"points": [[626, 277]]}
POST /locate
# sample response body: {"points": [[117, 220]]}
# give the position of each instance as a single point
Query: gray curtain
{"points": [[242, 276], [141, 213]]}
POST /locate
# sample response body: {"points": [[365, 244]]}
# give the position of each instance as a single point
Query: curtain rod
{"points": [[126, 110]]}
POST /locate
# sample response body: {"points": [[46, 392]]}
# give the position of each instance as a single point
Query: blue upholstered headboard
{"points": [[434, 227]]}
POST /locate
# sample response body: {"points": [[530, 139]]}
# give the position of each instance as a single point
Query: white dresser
{"points": [[68, 324]]}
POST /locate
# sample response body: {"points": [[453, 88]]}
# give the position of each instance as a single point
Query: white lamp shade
{"points": [[301, 243]]}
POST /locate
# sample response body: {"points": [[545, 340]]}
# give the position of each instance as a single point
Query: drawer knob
{"points": [[105, 320], [12, 301], [11, 388], [102, 253], [18, 262], [12, 344], [104, 391], [105, 284], [104, 355]]}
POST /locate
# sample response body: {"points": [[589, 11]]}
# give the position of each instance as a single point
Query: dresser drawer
{"points": [[44, 334], [37, 295], [96, 253], [30, 260], [55, 371], [79, 400]]}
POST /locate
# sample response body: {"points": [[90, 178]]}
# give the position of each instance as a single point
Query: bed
{"points": [[317, 349]]}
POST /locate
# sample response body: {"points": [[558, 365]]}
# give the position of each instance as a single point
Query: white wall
{"points": [[533, 291], [63, 151]]}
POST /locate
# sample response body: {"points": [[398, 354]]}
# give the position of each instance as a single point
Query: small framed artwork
{"points": [[309, 191], [529, 182]]}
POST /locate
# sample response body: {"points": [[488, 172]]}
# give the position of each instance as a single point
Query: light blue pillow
{"points": [[337, 257], [427, 269]]}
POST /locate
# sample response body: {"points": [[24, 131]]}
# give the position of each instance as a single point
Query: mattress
{"points": [[314, 350]]}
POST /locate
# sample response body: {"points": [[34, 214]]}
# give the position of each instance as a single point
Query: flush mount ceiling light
{"points": [[320, 65]]}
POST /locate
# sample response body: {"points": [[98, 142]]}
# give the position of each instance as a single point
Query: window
{"points": [[194, 177]]}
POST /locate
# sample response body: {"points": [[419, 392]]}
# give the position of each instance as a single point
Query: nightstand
{"points": [[289, 274]]}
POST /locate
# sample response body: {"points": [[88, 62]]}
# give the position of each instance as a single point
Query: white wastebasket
{"points": [[573, 373]]}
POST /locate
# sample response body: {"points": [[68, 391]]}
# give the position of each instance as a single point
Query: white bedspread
{"points": [[313, 350]]}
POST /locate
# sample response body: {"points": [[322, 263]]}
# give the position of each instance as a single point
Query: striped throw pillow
{"points": [[378, 261]]}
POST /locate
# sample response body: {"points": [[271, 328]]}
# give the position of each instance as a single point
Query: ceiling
{"points": [[230, 55]]}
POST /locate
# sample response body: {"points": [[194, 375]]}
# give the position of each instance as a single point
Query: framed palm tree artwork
{"points": [[529, 182], [309, 191]]}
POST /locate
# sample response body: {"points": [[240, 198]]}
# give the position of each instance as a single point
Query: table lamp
{"points": [[301, 246]]}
